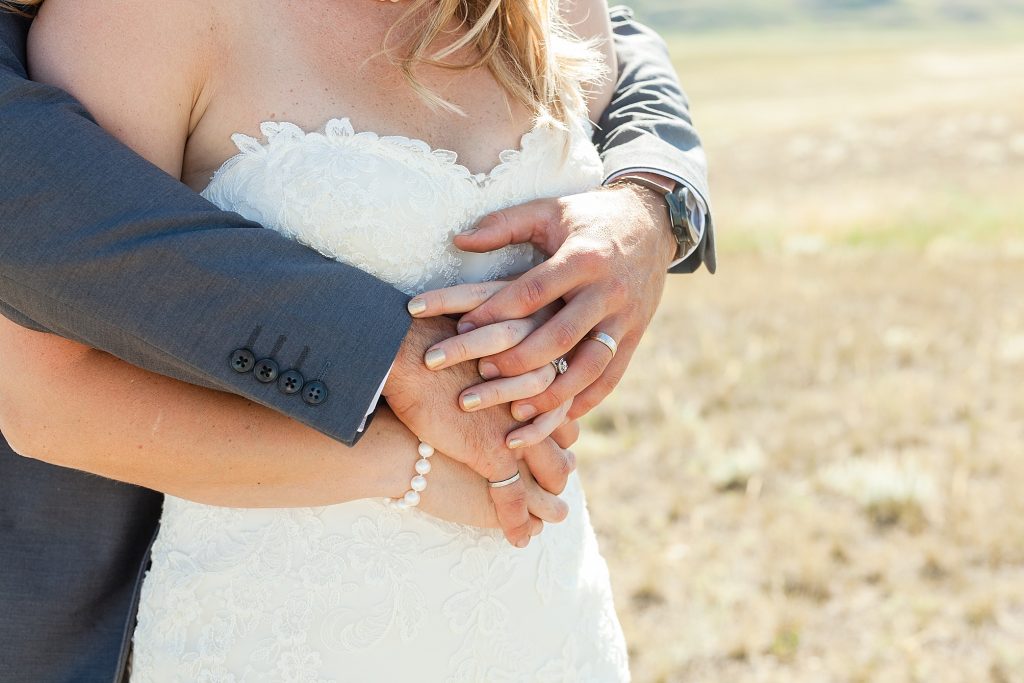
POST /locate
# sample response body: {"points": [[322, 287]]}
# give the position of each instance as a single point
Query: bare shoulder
{"points": [[590, 20], [138, 66], [130, 33], [588, 17]]}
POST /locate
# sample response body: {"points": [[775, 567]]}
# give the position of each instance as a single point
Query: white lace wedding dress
{"points": [[364, 591]]}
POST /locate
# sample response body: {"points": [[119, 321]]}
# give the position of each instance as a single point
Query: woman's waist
{"points": [[187, 524], [192, 527]]}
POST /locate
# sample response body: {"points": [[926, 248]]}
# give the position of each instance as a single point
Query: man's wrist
{"points": [[689, 219], [654, 201], [422, 334], [376, 399], [400, 367]]}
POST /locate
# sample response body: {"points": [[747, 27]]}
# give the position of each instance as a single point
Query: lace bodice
{"points": [[363, 591], [390, 205]]}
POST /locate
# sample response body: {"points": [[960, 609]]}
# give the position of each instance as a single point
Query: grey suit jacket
{"points": [[100, 246]]}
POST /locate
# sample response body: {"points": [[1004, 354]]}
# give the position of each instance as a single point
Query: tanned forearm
{"points": [[69, 405]]}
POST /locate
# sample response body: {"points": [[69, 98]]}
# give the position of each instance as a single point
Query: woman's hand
{"points": [[457, 494], [487, 341], [476, 439]]}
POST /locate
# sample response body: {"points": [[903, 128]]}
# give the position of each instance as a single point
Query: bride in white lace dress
{"points": [[322, 593], [363, 590]]}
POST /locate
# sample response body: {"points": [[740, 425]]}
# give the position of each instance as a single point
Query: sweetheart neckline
{"points": [[341, 127]]}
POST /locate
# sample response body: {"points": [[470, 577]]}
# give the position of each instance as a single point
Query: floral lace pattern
{"points": [[363, 591], [391, 205]]}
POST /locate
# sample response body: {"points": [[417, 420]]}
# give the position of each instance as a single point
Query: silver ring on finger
{"points": [[504, 482], [605, 339], [561, 365]]}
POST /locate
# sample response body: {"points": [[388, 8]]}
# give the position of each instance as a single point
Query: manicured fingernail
{"points": [[463, 328], [522, 542], [516, 443], [523, 412], [489, 370], [416, 306], [470, 401], [434, 358]]}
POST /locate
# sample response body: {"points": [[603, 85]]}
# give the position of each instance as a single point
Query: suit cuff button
{"points": [[290, 382], [242, 360], [314, 393], [266, 370]]}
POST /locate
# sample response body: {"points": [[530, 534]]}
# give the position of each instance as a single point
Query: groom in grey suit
{"points": [[99, 246]]}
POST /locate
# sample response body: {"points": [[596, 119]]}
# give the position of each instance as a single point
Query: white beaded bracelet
{"points": [[418, 484]]}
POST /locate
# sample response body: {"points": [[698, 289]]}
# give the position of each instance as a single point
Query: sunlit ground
{"points": [[814, 470]]}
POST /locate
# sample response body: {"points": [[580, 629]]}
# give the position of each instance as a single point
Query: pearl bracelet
{"points": [[418, 483]]}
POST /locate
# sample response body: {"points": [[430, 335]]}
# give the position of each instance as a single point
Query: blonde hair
{"points": [[529, 49]]}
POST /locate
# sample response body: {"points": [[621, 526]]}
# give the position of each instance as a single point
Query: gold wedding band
{"points": [[604, 339]]}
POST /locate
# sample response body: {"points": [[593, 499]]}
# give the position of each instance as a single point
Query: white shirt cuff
{"points": [[695, 205], [376, 399]]}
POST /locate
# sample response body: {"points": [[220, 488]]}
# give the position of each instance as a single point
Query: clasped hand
{"points": [[608, 251]]}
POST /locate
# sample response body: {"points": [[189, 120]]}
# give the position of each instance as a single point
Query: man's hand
{"points": [[609, 253], [425, 401]]}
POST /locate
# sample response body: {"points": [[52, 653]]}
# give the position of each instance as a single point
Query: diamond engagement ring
{"points": [[605, 339], [504, 482], [561, 365]]}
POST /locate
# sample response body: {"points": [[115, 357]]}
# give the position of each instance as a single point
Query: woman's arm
{"points": [[69, 405]]}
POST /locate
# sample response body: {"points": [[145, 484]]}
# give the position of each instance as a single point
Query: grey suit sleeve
{"points": [[648, 124], [102, 247]]}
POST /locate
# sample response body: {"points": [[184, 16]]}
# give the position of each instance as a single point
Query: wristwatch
{"points": [[677, 198]]}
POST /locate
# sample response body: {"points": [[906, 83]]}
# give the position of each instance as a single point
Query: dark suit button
{"points": [[290, 382], [314, 393], [266, 370], [242, 360]]}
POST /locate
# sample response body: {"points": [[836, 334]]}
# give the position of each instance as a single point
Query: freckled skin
{"points": [[308, 62]]}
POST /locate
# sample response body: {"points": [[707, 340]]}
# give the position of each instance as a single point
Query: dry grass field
{"points": [[814, 471]]}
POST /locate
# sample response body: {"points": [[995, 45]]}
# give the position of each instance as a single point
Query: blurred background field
{"points": [[814, 470]]}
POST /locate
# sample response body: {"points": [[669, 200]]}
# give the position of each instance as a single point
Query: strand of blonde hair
{"points": [[529, 50]]}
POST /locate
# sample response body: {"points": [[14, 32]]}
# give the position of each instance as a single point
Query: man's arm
{"points": [[102, 247], [648, 128]]}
